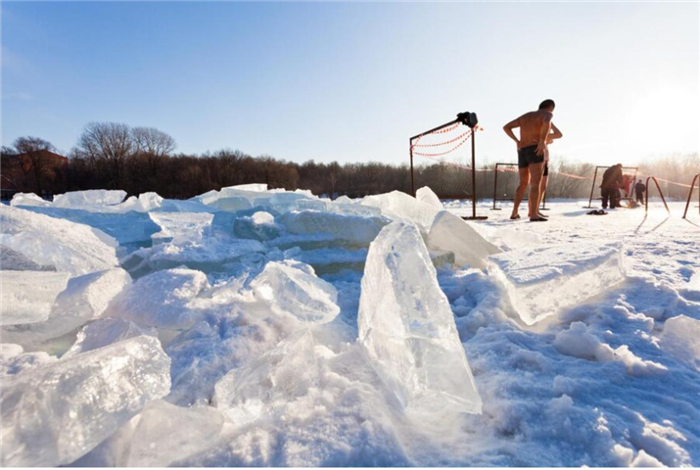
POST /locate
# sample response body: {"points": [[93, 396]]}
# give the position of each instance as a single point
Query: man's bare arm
{"points": [[508, 129], [555, 134], [544, 134]]}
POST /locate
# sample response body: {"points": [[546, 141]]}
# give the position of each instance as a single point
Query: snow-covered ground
{"points": [[255, 327]]}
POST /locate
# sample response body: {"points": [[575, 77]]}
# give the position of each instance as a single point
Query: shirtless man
{"points": [[536, 132]]}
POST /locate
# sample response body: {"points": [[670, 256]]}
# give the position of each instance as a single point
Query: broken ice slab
{"points": [[13, 359], [27, 296], [449, 233], [260, 226], [92, 197], [351, 228], [329, 260], [181, 226], [28, 199], [397, 205], [680, 339], [208, 254], [59, 244], [166, 434], [279, 376], [54, 414], [11, 260], [426, 195], [407, 327], [161, 299], [546, 281], [292, 289], [85, 298], [104, 332]]}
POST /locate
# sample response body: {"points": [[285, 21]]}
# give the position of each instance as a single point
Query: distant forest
{"points": [[139, 159]]}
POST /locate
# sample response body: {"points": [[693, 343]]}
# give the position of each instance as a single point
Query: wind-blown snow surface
{"points": [[223, 330]]}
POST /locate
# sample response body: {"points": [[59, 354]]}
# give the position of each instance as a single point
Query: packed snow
{"points": [[260, 327]]}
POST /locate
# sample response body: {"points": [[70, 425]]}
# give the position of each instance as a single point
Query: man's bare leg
{"points": [[524, 175], [536, 170], [543, 189]]}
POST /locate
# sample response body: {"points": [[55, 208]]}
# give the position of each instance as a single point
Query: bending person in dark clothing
{"points": [[639, 190], [610, 187]]}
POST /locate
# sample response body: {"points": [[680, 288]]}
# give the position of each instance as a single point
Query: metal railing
{"points": [[690, 194], [646, 196]]}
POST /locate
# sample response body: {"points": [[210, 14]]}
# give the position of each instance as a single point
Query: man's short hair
{"points": [[547, 104]]}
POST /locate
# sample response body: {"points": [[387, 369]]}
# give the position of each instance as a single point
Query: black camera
{"points": [[468, 119]]}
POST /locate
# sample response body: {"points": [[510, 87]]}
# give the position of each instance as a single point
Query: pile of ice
{"points": [[249, 326]]}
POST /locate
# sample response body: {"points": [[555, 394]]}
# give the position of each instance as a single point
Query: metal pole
{"points": [[646, 209], [454, 121], [495, 185], [595, 176], [690, 194], [410, 149], [474, 172]]}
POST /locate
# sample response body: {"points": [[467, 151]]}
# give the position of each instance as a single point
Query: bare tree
{"points": [[151, 141], [107, 141], [36, 160]]}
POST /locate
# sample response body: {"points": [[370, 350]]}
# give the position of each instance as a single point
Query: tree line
{"points": [[143, 159]]}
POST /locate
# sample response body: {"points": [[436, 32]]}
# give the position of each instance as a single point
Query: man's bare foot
{"points": [[538, 219], [514, 216]]}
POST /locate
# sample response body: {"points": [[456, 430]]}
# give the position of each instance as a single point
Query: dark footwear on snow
{"points": [[538, 219]]}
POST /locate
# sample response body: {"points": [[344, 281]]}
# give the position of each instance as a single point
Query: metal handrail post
{"points": [[646, 200], [690, 195]]}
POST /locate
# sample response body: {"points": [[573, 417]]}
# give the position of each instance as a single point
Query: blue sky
{"points": [[351, 82]]}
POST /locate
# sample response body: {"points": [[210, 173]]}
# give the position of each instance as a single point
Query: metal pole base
{"points": [[496, 209], [544, 208], [478, 217]]}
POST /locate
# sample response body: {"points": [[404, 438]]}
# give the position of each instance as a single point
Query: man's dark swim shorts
{"points": [[527, 156]]}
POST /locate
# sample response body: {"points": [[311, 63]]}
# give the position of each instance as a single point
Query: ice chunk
{"points": [[398, 205], [60, 244], [14, 360], [84, 298], [351, 228], [680, 340], [131, 227], [281, 375], [181, 226], [259, 226], [450, 233], [54, 414], [546, 281], [161, 299], [11, 260], [146, 202], [28, 199], [167, 433], [407, 326], [92, 197], [426, 195], [206, 254], [104, 332], [258, 187], [27, 296], [231, 203], [293, 289]]}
